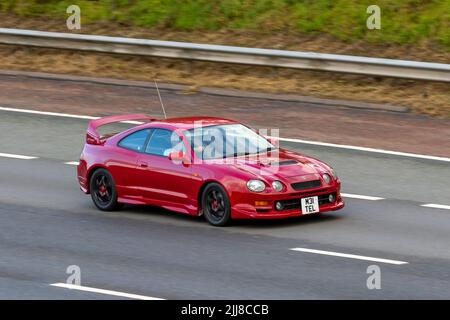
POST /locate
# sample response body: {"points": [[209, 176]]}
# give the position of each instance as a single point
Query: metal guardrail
{"points": [[229, 54]]}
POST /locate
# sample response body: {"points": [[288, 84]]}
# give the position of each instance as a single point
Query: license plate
{"points": [[310, 205]]}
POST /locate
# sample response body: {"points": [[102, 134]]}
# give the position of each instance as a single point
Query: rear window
{"points": [[135, 141]]}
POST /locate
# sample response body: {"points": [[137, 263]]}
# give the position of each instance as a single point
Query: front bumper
{"points": [[246, 209]]}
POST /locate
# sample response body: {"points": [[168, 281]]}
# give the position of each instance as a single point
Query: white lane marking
{"points": [[72, 163], [16, 156], [63, 115], [351, 256], [103, 291], [45, 113], [317, 143], [358, 196], [436, 206], [344, 146]]}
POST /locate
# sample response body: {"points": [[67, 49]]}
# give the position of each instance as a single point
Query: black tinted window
{"points": [[163, 142], [135, 141]]}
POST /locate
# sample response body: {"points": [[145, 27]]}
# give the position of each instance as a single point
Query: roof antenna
{"points": [[160, 99]]}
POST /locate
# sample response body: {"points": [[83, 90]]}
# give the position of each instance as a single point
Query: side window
{"points": [[135, 141], [163, 142]]}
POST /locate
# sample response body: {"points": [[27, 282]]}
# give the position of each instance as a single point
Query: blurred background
{"points": [[410, 30]]}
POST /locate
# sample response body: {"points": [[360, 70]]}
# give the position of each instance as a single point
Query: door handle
{"points": [[143, 165]]}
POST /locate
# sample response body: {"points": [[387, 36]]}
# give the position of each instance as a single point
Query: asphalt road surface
{"points": [[296, 119], [47, 224]]}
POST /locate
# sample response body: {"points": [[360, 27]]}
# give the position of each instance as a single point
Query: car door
{"points": [[124, 164], [163, 179]]}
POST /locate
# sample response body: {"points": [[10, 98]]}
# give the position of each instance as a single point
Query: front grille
{"points": [[306, 185], [295, 203], [290, 204]]}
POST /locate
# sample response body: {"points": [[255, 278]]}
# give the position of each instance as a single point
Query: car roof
{"points": [[187, 123]]}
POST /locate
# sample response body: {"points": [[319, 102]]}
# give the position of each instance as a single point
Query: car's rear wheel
{"points": [[216, 205], [103, 190]]}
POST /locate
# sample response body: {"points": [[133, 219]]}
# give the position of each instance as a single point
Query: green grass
{"points": [[403, 21]]}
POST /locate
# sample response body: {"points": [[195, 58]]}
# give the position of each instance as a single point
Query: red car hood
{"points": [[283, 164]]}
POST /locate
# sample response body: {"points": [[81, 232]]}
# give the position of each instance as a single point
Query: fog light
{"points": [[331, 198], [279, 206]]}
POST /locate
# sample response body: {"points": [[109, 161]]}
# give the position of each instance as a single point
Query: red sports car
{"points": [[214, 167]]}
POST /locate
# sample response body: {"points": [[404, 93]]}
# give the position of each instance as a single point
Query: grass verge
{"points": [[402, 21]]}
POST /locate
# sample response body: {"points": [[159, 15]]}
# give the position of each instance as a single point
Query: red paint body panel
{"points": [[155, 180]]}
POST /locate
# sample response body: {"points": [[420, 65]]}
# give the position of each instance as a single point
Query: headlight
{"points": [[277, 186], [326, 177], [256, 185]]}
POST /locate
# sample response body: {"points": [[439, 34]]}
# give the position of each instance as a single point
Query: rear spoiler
{"points": [[92, 135]]}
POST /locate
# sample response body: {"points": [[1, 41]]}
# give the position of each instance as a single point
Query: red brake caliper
{"points": [[102, 190]]}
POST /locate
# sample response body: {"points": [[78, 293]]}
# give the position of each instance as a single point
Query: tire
{"points": [[103, 190], [216, 205]]}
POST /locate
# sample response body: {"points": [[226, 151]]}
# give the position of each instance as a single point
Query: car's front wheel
{"points": [[216, 205], [103, 190]]}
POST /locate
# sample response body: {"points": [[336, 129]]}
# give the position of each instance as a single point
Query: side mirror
{"points": [[179, 156], [176, 156]]}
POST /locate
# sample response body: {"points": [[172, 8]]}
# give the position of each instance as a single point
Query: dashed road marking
{"points": [[350, 256], [436, 206], [72, 163], [17, 156], [362, 197], [103, 291]]}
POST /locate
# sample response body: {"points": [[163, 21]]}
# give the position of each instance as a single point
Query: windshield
{"points": [[223, 141]]}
